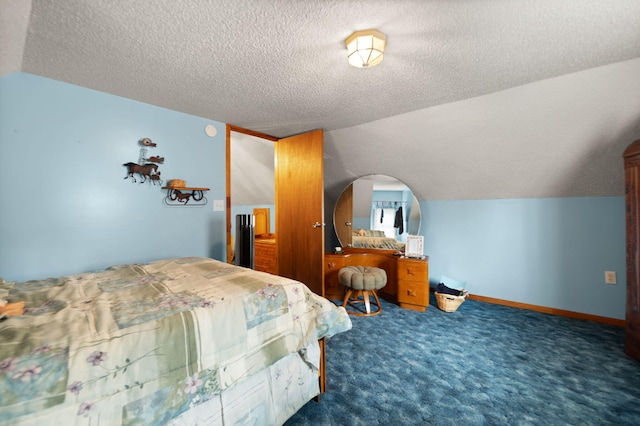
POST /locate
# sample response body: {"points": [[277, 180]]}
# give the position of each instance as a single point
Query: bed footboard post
{"points": [[322, 373]]}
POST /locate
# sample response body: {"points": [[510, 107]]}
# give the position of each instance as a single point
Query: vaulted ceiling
{"points": [[490, 81]]}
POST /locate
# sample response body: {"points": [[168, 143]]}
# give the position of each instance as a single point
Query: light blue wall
{"points": [[64, 205], [549, 252], [361, 223]]}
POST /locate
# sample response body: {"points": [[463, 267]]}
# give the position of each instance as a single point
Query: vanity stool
{"points": [[361, 282]]}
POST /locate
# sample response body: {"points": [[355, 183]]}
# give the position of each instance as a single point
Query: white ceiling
{"points": [[280, 67], [561, 137]]}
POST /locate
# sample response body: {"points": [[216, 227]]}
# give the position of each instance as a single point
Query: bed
{"points": [[179, 341], [367, 238]]}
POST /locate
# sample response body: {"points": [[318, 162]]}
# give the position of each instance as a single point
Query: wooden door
{"points": [[632, 197], [263, 221], [300, 208], [343, 217]]}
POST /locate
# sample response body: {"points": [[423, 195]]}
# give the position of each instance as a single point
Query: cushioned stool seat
{"points": [[361, 282]]}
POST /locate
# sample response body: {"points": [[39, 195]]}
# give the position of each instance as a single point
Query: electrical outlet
{"points": [[218, 205], [610, 277]]}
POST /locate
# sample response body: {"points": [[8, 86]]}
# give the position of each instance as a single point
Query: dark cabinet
{"points": [[632, 201]]}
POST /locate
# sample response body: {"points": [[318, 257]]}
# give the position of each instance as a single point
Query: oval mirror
{"points": [[376, 212]]}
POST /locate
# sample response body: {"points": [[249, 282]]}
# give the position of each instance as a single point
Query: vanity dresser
{"points": [[407, 279], [379, 203]]}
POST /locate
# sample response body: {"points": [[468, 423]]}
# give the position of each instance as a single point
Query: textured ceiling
{"points": [[560, 137], [280, 66], [474, 99]]}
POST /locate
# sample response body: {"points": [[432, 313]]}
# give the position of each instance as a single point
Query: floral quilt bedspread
{"points": [[149, 338]]}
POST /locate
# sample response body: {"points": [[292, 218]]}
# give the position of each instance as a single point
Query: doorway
{"points": [[250, 178]]}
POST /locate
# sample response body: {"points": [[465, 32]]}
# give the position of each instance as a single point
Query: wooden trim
{"points": [[546, 310], [632, 150], [362, 250], [228, 189], [232, 128], [185, 188]]}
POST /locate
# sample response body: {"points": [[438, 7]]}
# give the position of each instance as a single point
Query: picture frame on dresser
{"points": [[414, 247]]}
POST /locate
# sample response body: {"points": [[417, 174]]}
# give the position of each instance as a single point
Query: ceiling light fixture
{"points": [[366, 48]]}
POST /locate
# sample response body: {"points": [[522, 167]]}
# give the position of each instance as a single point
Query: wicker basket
{"points": [[449, 302]]}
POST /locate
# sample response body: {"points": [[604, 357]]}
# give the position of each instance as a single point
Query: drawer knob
{"points": [[410, 271], [411, 293]]}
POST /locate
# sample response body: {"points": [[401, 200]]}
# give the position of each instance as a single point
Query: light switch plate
{"points": [[218, 205], [610, 277]]}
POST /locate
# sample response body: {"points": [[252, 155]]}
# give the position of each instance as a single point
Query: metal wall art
{"points": [[145, 168], [178, 194]]}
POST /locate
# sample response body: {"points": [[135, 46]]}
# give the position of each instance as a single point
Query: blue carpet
{"points": [[481, 365]]}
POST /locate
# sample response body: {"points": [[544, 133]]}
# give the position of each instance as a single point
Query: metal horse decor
{"points": [[180, 196], [145, 171], [145, 167]]}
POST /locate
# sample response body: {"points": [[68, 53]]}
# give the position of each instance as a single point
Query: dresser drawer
{"points": [[267, 250], [332, 288], [265, 264], [413, 284], [413, 270], [266, 256], [413, 293]]}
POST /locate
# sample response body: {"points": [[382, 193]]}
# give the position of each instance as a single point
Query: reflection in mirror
{"points": [[376, 212]]}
